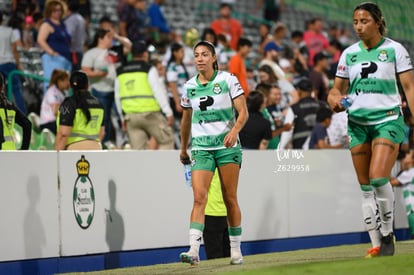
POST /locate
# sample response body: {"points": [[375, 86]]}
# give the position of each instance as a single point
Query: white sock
{"points": [[385, 199], [195, 240], [371, 217]]}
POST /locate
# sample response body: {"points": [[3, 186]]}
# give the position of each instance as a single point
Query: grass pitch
{"points": [[346, 259]]}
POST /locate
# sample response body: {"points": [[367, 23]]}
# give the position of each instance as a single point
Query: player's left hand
{"points": [[230, 139]]}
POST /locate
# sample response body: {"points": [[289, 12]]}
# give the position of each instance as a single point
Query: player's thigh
{"points": [[229, 162], [385, 146]]}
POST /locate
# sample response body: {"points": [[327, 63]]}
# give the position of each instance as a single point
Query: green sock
{"points": [[411, 222]]}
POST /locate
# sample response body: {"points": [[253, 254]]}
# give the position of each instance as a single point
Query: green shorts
{"points": [[392, 130], [210, 159]]}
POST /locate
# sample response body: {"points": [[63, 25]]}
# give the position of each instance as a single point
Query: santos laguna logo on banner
{"points": [[83, 195]]}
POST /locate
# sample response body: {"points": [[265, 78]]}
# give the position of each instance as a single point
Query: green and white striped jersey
{"points": [[213, 110], [178, 74], [373, 80]]}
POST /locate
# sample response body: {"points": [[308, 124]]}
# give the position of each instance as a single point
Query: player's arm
{"points": [[394, 181], [62, 136], [321, 144], [335, 95], [241, 107], [185, 131], [263, 144], [407, 83]]}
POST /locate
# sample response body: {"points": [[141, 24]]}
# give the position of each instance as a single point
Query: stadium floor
{"points": [[349, 258]]}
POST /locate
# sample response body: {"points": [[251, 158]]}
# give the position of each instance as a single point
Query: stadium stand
{"points": [[183, 15]]}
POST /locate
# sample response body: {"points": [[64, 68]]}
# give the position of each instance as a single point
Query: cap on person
{"points": [[272, 46], [305, 85], [79, 80], [139, 47]]}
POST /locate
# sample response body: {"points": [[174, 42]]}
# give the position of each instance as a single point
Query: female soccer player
{"points": [[209, 104], [367, 72]]}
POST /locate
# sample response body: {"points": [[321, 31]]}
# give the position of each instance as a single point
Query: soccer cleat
{"points": [[186, 257], [236, 258], [372, 252], [387, 245]]}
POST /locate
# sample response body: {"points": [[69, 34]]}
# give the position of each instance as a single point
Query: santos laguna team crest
{"points": [[83, 195]]}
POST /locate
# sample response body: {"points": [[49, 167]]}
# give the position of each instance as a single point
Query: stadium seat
{"points": [[47, 140], [35, 120]]}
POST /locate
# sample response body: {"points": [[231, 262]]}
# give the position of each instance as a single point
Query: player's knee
{"points": [[378, 182]]}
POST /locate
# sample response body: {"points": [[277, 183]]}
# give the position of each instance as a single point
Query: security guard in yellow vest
{"points": [[141, 101], [80, 118], [9, 115]]}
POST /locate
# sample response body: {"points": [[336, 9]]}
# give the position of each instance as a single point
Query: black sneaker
{"points": [[387, 245]]}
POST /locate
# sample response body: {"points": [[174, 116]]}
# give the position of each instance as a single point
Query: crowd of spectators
{"points": [[274, 67]]}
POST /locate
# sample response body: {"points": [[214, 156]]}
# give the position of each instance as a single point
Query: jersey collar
{"points": [[208, 84], [361, 45]]}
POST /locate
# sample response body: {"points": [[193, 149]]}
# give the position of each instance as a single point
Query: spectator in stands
{"points": [[223, 95], [9, 115], [333, 33], [53, 98], [319, 138], [273, 112], [405, 179], [336, 48], [338, 130], [315, 40], [34, 30], [41, 5], [27, 37], [135, 22], [224, 52], [256, 133], [271, 58], [289, 95], [272, 10], [54, 40], [160, 24], [319, 77], [279, 39], [209, 35], [80, 118], [141, 101], [76, 26], [345, 37], [86, 11], [177, 76], [375, 126], [237, 63], [228, 26], [302, 115], [23, 8], [9, 61], [99, 63], [17, 24], [298, 43], [251, 78], [265, 36], [121, 45]]}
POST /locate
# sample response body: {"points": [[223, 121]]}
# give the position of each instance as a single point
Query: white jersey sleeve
{"points": [[234, 86], [403, 59]]}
